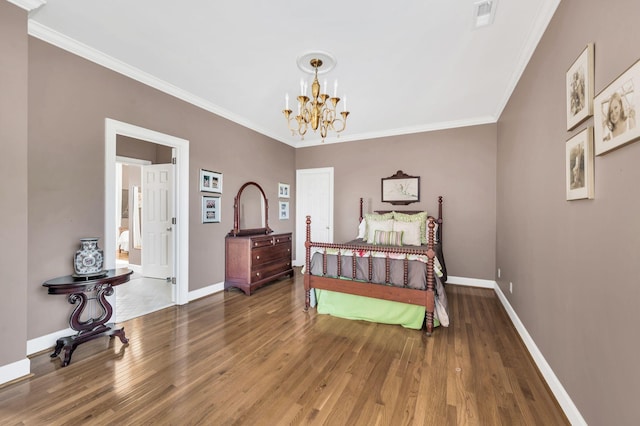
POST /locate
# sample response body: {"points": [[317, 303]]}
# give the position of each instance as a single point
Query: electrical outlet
{"points": [[510, 287], [498, 272]]}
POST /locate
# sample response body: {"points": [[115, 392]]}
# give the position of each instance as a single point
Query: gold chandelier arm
{"points": [[319, 110]]}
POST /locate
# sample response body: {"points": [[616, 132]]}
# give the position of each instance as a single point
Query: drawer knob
{"points": [[288, 250], [277, 241], [257, 274], [255, 244], [257, 257]]}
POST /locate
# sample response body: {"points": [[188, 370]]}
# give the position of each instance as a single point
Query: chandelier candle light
{"points": [[319, 111]]}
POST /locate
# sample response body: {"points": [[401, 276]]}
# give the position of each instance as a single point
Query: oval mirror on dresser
{"points": [[254, 256]]}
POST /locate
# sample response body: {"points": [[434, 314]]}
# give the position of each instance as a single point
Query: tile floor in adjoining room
{"points": [[140, 296]]}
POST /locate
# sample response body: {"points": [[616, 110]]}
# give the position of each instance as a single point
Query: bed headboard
{"points": [[438, 219]]}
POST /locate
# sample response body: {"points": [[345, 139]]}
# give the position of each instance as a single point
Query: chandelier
{"points": [[317, 112]]}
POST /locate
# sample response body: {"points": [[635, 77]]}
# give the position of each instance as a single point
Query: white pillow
{"points": [[411, 232], [361, 229], [374, 217], [378, 225]]}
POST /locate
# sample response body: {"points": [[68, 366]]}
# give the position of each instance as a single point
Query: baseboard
{"points": [[206, 291], [471, 282], [42, 343], [15, 370], [563, 398]]}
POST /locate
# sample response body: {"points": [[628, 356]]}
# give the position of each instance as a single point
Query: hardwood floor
{"points": [[229, 359]]}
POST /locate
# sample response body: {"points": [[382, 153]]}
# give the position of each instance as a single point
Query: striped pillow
{"points": [[388, 238]]}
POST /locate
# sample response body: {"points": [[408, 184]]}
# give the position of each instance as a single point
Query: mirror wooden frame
{"points": [[237, 231]]}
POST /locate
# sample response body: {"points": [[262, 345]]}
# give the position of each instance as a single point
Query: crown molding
{"points": [[445, 125], [28, 5], [64, 42]]}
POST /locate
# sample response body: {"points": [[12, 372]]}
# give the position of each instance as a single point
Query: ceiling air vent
{"points": [[484, 12]]}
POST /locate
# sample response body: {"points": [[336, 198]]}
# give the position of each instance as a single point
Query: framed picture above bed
{"points": [[614, 117], [580, 88], [579, 170], [400, 189]]}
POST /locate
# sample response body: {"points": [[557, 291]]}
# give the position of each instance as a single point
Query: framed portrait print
{"points": [[614, 116], [210, 209], [210, 181], [401, 189], [579, 88], [283, 190], [579, 165], [283, 210]]}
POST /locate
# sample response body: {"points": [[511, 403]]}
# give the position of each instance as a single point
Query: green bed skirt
{"points": [[369, 309]]}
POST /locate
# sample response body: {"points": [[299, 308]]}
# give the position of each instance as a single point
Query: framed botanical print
{"points": [[579, 88], [579, 165], [401, 189]]}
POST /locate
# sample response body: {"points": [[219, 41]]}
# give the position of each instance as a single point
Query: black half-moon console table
{"points": [[84, 290]]}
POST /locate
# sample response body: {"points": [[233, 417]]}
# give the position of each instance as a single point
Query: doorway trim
{"points": [[301, 208], [181, 149]]}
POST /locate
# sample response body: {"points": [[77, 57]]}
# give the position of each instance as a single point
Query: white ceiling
{"points": [[405, 67]]}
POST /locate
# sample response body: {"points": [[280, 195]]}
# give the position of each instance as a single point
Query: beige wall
{"points": [[13, 182], [69, 99], [574, 264], [459, 164]]}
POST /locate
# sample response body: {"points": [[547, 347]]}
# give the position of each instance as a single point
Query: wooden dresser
{"points": [[255, 260]]}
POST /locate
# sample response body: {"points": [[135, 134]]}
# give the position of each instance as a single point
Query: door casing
{"points": [[181, 149]]}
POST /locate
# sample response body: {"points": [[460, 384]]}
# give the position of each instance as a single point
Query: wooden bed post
{"points": [[361, 215], [307, 269], [439, 219], [430, 302]]}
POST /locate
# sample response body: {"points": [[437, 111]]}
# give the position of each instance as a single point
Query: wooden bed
{"points": [[399, 291]]}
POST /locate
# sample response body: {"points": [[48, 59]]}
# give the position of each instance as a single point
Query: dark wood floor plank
{"points": [[230, 359]]}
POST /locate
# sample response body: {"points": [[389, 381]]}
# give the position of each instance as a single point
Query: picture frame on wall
{"points": [[211, 209], [614, 118], [400, 189], [210, 181], [580, 166], [283, 190], [283, 210], [579, 88]]}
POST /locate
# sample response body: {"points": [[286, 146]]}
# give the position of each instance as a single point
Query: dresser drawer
{"points": [[282, 239], [257, 242], [269, 270], [262, 255]]}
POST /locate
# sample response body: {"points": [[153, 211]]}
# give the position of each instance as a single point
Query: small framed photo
{"points": [[210, 209], [283, 190], [400, 189], [579, 169], [283, 210], [210, 181], [580, 88], [614, 117]]}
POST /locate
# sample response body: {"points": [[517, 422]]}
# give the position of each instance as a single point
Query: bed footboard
{"points": [[404, 294]]}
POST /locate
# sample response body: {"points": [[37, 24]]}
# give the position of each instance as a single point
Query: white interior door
{"points": [[157, 228], [314, 197]]}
